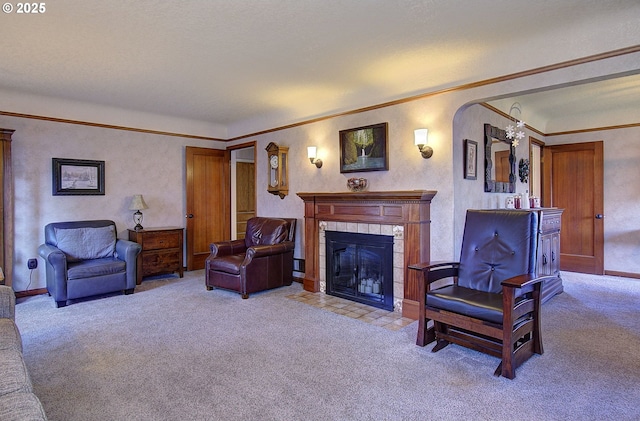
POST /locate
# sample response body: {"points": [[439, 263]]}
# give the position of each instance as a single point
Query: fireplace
{"points": [[360, 268], [404, 215]]}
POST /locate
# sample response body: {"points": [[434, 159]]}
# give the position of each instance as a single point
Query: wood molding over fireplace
{"points": [[408, 209]]}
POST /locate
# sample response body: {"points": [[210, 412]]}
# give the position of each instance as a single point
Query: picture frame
{"points": [[77, 177], [364, 149], [470, 159]]}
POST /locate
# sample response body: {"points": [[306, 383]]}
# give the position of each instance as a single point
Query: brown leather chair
{"points": [[262, 260], [491, 302]]}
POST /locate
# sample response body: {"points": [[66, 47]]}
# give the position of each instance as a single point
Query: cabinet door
{"points": [[545, 255], [555, 253]]}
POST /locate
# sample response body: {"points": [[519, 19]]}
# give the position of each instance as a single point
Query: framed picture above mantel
{"points": [[77, 177], [364, 149]]}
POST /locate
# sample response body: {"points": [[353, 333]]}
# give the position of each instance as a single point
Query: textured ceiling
{"points": [[254, 65]]}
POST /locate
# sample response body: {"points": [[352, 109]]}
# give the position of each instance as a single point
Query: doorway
{"points": [[243, 191]]}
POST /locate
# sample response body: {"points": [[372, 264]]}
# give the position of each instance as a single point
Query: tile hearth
{"points": [[375, 316]]}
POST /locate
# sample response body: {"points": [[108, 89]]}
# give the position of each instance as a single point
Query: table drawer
{"points": [[550, 223], [160, 261], [162, 240]]}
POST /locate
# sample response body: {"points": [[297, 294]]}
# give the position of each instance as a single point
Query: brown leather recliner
{"points": [[262, 260]]}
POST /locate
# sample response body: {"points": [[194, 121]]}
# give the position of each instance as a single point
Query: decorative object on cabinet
{"points": [[470, 159], [364, 149], [490, 301], [278, 169], [312, 152], [137, 204], [523, 170], [161, 251], [420, 139], [77, 177], [499, 161], [515, 134], [356, 184]]}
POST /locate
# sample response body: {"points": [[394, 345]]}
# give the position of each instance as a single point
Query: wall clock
{"points": [[278, 180]]}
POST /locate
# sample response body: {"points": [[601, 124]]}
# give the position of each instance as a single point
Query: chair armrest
{"points": [[522, 281], [431, 265], [226, 248], [268, 250], [434, 271], [53, 256], [127, 250], [7, 302]]}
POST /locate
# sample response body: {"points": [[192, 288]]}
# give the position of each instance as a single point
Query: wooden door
{"points": [[573, 181], [245, 196], [208, 202]]}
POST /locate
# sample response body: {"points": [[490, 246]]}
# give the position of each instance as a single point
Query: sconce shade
{"points": [[138, 203], [421, 138], [311, 154]]}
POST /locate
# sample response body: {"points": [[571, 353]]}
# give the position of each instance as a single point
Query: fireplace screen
{"points": [[360, 267]]}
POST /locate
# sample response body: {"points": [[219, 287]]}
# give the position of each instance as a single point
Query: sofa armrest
{"points": [[7, 302]]}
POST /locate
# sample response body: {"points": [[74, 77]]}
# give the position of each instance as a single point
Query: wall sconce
{"points": [[137, 203], [311, 154], [421, 140]]}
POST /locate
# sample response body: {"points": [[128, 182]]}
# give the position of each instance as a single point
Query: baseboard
{"points": [[31, 292], [623, 274]]}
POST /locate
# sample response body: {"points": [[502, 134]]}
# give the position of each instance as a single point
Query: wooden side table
{"points": [[161, 251]]}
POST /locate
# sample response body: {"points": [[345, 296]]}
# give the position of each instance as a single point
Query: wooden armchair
{"points": [[490, 300]]}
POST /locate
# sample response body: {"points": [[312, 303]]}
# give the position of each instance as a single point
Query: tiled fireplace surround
{"points": [[405, 215]]}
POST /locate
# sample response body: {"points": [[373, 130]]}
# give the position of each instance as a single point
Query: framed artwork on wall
{"points": [[77, 177], [364, 149], [470, 159]]}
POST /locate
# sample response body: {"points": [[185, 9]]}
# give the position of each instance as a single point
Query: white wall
{"points": [[152, 165]]}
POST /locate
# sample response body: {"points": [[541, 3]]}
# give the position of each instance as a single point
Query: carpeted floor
{"points": [[174, 351]]}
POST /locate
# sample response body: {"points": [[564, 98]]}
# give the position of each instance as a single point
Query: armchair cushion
{"points": [[86, 243], [95, 267], [470, 302]]}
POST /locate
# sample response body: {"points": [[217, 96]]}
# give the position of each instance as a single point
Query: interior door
{"points": [[573, 181], [208, 202]]}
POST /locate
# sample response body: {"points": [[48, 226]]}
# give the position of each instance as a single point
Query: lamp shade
{"points": [[421, 136], [138, 203]]}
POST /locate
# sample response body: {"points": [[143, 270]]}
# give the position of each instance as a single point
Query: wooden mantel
{"points": [[409, 209]]}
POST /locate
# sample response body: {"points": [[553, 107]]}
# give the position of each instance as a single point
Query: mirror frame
{"points": [[492, 132]]}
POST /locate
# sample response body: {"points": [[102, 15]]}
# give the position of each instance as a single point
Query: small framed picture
{"points": [[470, 159], [77, 177]]}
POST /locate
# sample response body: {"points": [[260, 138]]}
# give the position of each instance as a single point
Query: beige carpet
{"points": [[174, 351]]}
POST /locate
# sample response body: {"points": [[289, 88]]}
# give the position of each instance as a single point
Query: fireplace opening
{"points": [[360, 267]]}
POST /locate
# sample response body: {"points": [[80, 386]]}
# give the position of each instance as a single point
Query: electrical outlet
{"points": [[32, 263]]}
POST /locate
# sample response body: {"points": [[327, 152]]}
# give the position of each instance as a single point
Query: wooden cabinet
{"points": [[161, 251], [6, 203], [548, 259]]}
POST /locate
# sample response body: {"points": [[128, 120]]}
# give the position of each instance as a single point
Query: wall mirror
{"points": [[499, 161]]}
